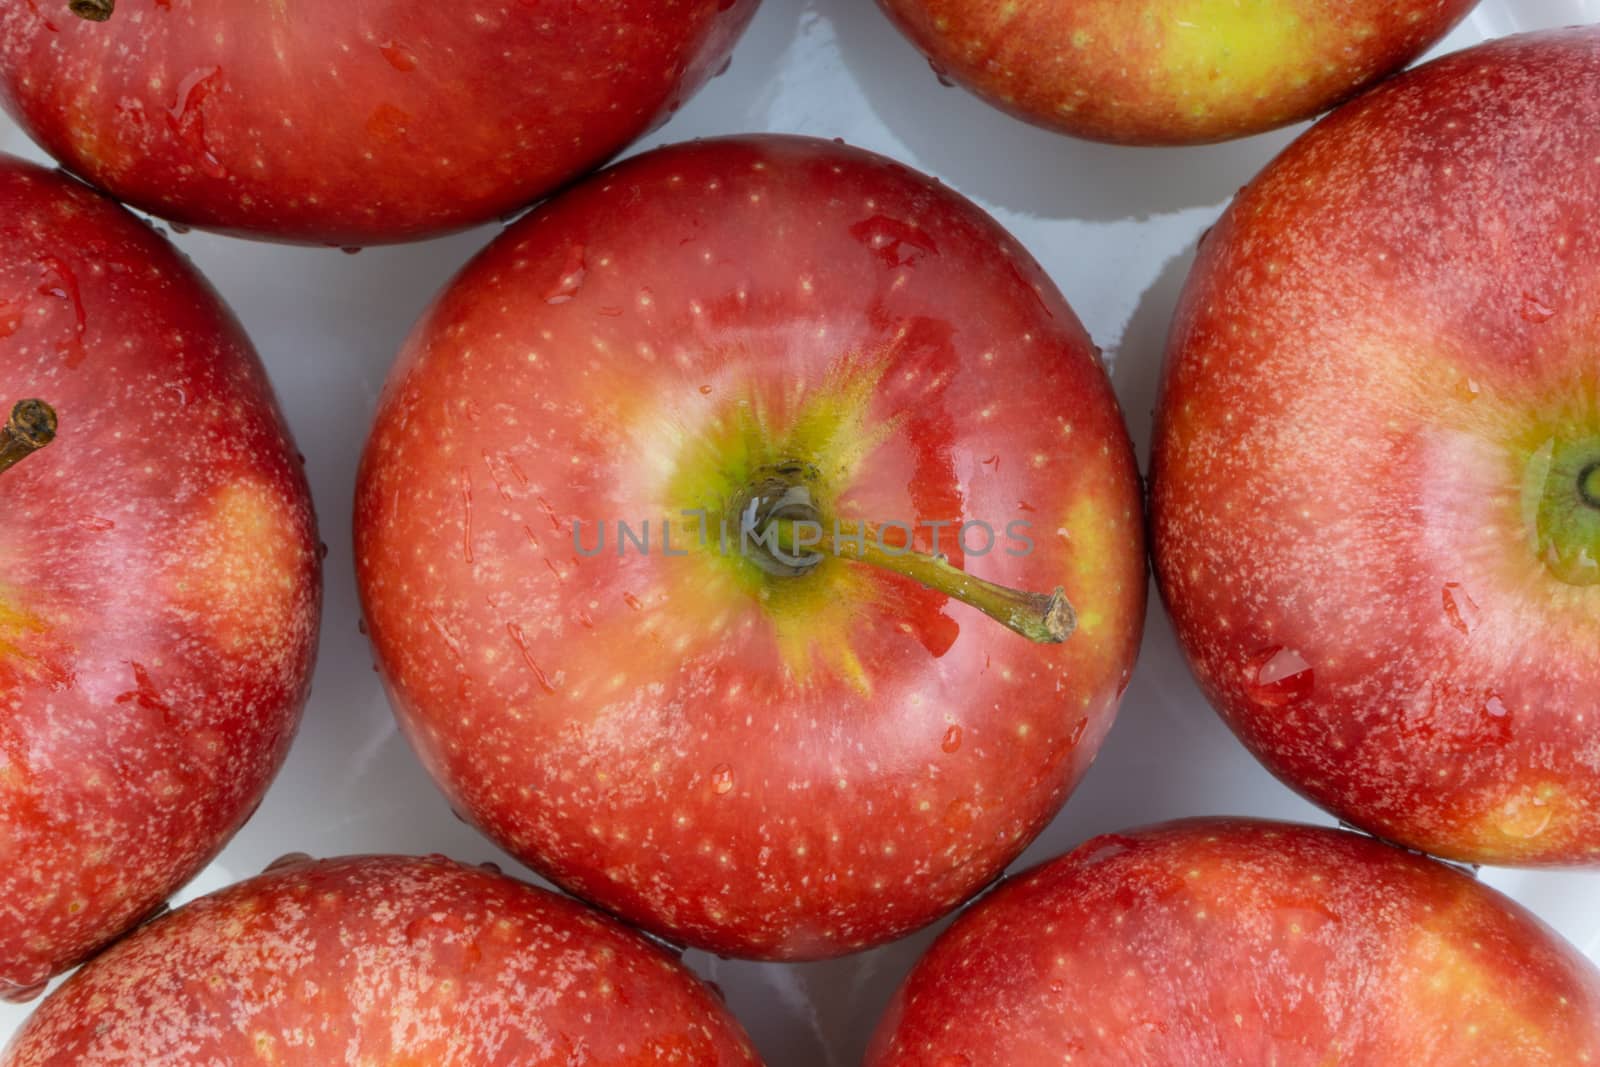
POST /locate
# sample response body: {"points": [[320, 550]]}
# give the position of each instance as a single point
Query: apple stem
{"points": [[1048, 619], [31, 427], [93, 10]]}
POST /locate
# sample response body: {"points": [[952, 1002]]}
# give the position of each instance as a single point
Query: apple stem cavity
{"points": [[32, 426], [1044, 618], [93, 10], [1589, 485]]}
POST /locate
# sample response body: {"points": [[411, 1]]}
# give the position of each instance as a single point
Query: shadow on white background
{"points": [[1115, 227]]}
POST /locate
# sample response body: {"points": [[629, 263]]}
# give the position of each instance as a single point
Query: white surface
{"points": [[1115, 227]]}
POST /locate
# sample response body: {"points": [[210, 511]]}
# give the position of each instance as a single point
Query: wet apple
{"points": [[1171, 72], [751, 542], [1229, 941], [350, 124], [1375, 509], [159, 579], [383, 960]]}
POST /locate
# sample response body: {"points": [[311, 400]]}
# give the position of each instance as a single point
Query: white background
{"points": [[1116, 228]]}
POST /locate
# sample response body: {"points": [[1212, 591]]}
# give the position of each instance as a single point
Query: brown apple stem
{"points": [[31, 427], [1048, 619], [93, 10]]}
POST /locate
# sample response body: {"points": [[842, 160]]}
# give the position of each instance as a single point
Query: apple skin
{"points": [[383, 959], [1231, 941], [1379, 341], [160, 586], [327, 122], [763, 767], [1171, 72]]}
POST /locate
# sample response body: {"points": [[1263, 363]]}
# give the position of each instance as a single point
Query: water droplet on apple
{"points": [[61, 283], [399, 57], [1497, 719], [632, 602], [573, 273], [1108, 846], [705, 390], [722, 779], [942, 74], [350, 250], [1535, 310], [288, 859], [896, 243], [1460, 609], [1278, 677], [939, 633], [1525, 818], [33, 5], [180, 229], [952, 739], [187, 120], [955, 1059], [145, 694], [1078, 731]]}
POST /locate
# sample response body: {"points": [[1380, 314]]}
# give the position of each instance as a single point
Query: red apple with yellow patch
{"points": [[159, 581], [1228, 941], [1376, 472], [383, 960], [1171, 72], [322, 121], [768, 751]]}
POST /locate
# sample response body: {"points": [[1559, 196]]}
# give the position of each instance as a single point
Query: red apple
{"points": [[1237, 942], [350, 123], [383, 960], [1376, 517], [1170, 72], [159, 581], [764, 761]]}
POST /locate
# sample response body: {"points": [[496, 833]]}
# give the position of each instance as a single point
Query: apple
{"points": [[1375, 511], [160, 586], [1171, 72], [383, 960], [1231, 941], [791, 749], [323, 121]]}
